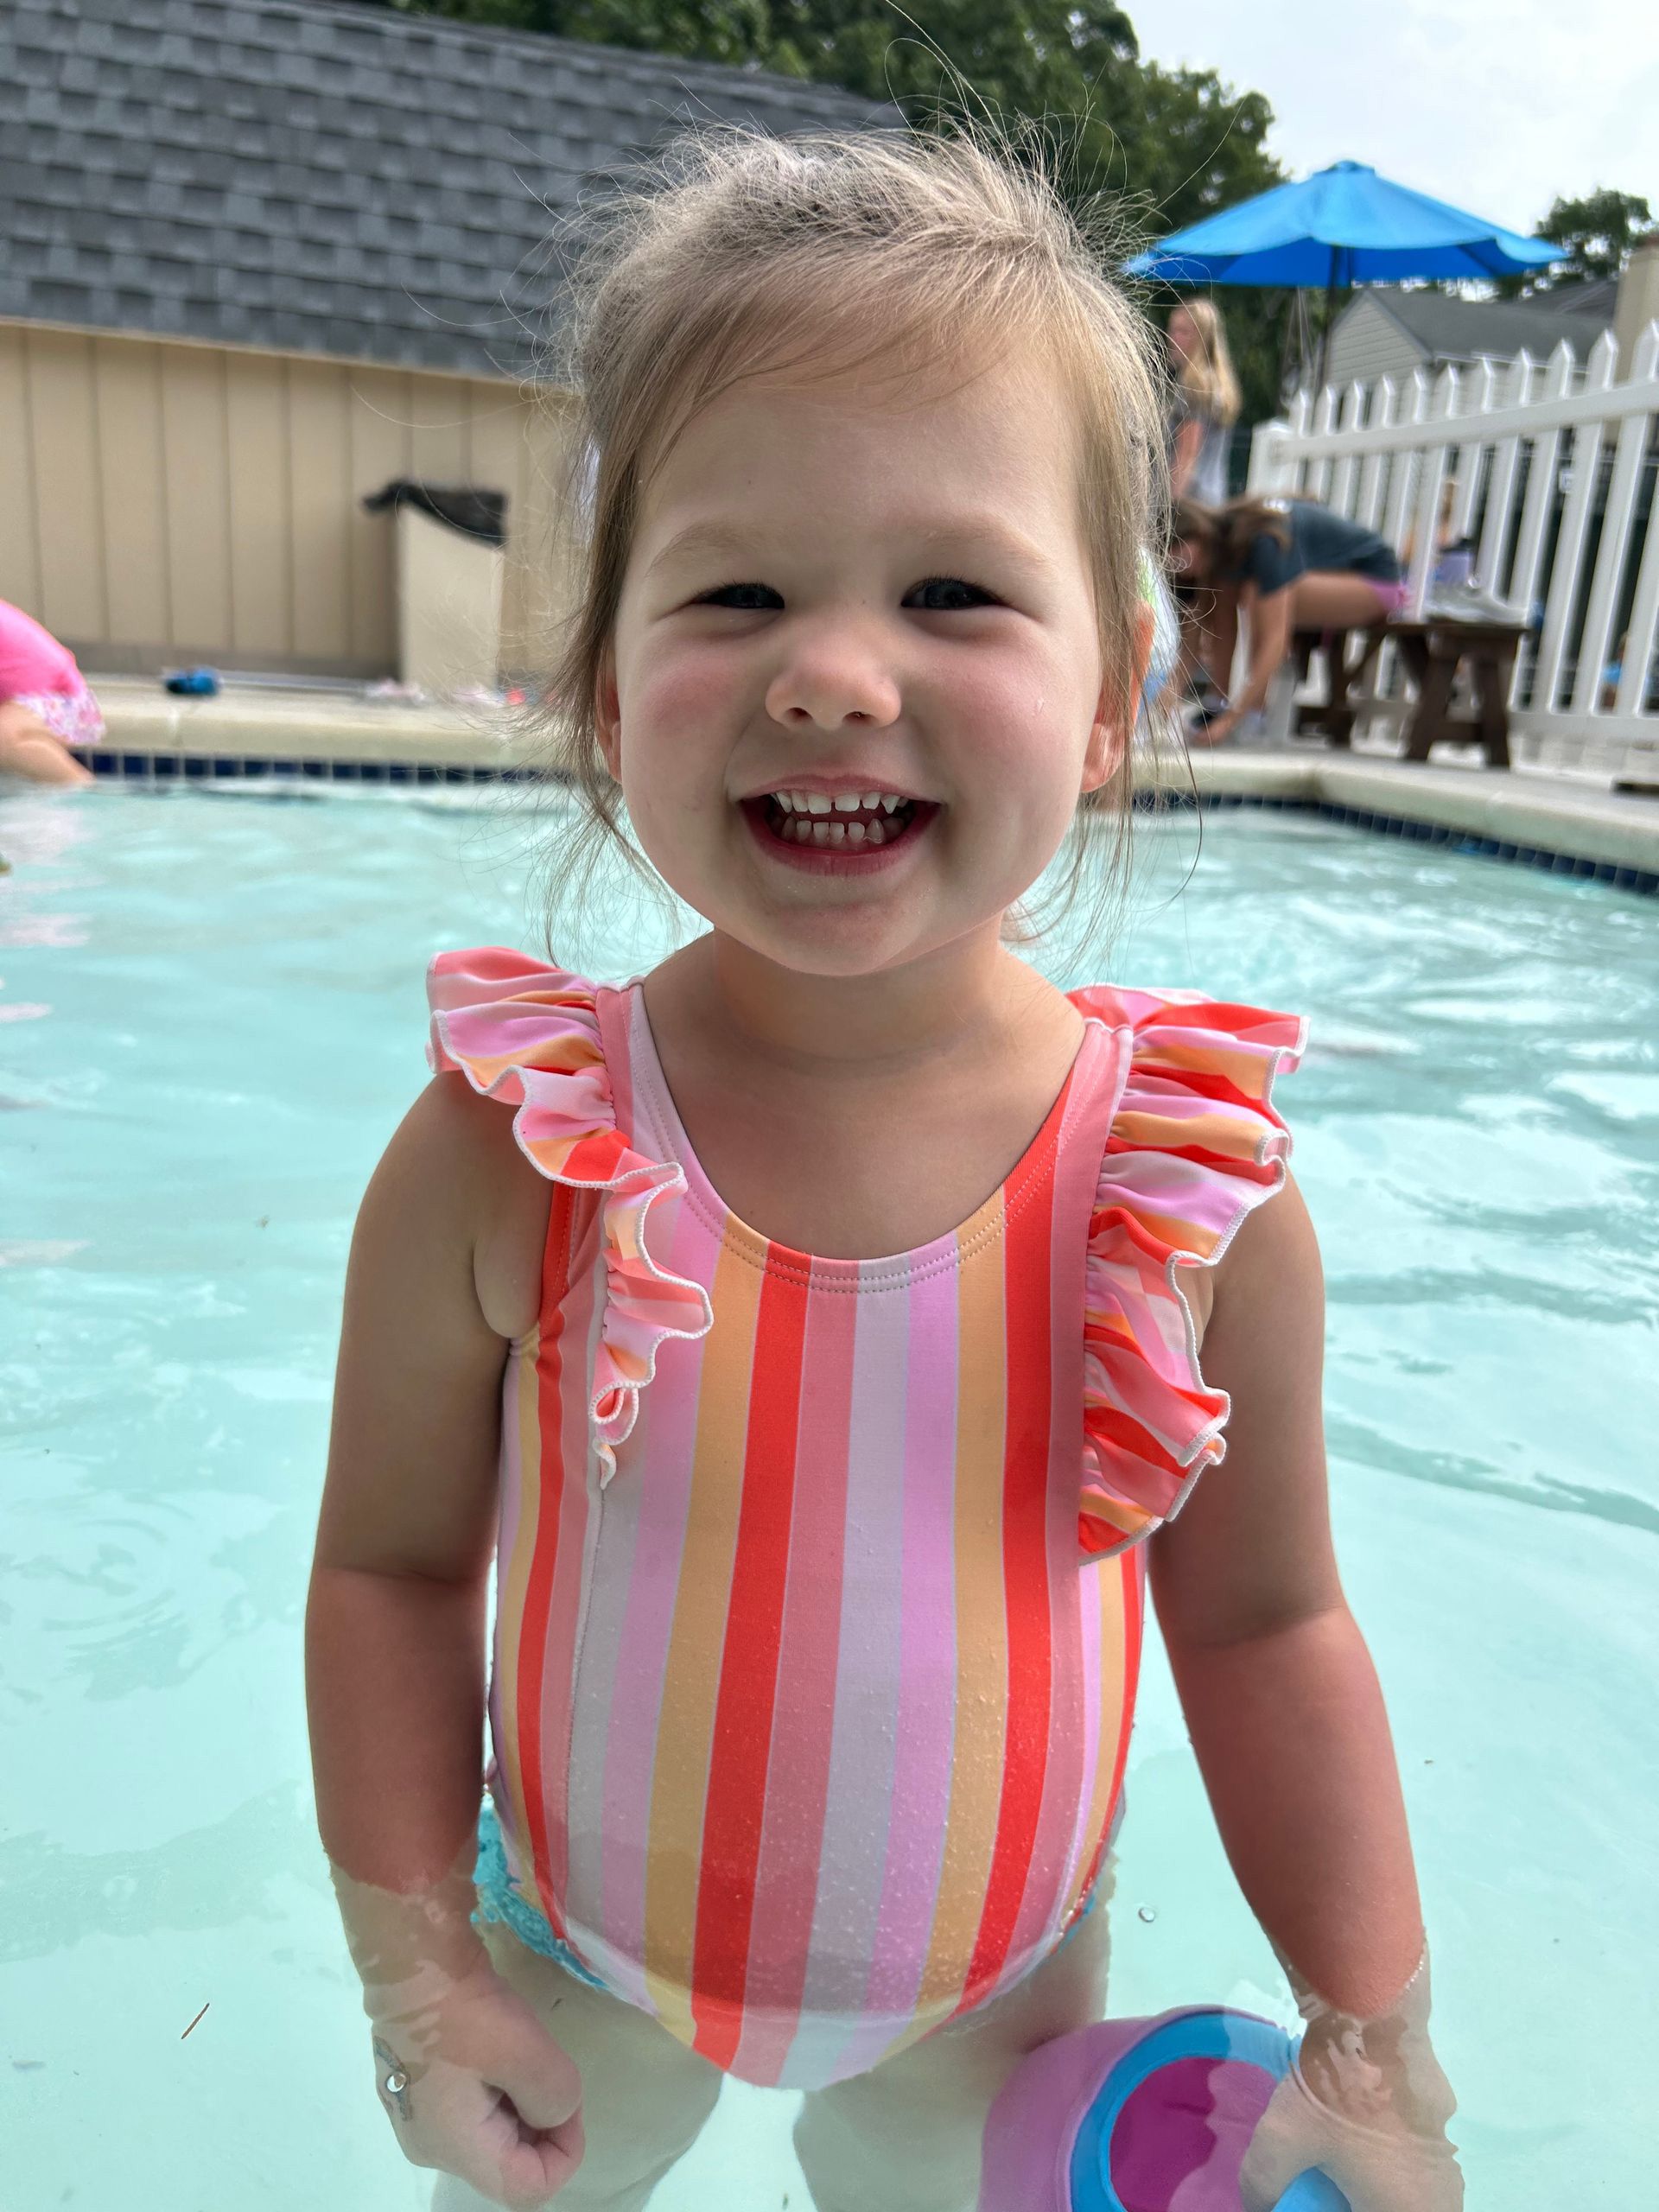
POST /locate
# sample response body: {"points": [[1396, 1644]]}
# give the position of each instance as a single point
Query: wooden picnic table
{"points": [[1337, 713], [1433, 651]]}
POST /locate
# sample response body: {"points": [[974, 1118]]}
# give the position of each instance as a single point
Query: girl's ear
{"points": [[1112, 730], [607, 715]]}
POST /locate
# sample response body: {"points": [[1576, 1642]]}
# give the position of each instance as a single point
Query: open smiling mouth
{"points": [[852, 826]]}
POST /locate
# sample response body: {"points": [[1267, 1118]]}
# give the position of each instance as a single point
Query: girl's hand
{"points": [[1366, 2103], [472, 2082], [475, 2086], [1216, 732], [1377, 2169]]}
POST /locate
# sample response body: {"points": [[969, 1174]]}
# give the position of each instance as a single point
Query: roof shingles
{"points": [[322, 177]]}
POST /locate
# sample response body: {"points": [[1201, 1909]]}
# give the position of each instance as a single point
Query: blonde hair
{"points": [[1207, 377], [736, 256]]}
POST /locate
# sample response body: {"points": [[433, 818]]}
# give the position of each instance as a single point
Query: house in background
{"points": [[1389, 330], [259, 257]]}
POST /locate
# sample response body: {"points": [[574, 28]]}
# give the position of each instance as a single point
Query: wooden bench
{"points": [[1337, 713], [1431, 652]]}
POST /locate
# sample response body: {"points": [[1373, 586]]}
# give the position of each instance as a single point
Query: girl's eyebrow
{"points": [[986, 533]]}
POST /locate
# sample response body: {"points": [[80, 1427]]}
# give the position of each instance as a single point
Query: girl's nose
{"points": [[830, 679]]}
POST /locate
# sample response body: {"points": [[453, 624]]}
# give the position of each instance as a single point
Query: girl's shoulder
{"points": [[1196, 1145]]}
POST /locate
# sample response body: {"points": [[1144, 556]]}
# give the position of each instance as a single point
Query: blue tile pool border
{"points": [[168, 768], [224, 767], [1645, 881]]}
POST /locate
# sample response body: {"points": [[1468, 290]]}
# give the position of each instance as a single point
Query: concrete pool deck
{"points": [[153, 734]]}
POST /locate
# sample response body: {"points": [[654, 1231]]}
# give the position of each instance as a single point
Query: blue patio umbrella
{"points": [[1343, 226]]}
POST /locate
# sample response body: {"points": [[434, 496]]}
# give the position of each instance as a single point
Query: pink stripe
{"points": [[926, 1733], [855, 1852], [804, 1709]]}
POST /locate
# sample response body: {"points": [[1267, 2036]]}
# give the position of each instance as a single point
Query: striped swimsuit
{"points": [[819, 1583]]}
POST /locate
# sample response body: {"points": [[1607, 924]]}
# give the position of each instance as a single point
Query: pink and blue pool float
{"points": [[1141, 2116]]}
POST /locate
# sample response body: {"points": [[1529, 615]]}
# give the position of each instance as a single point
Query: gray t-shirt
{"points": [[1319, 540], [1208, 482]]}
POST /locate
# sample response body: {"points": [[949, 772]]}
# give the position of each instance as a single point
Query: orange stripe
{"points": [[748, 1680]]}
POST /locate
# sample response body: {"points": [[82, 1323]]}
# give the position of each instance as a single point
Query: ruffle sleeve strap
{"points": [[529, 1034], [1195, 1145]]}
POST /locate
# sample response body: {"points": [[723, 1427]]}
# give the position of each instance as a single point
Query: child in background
{"points": [[45, 706], [808, 1335]]}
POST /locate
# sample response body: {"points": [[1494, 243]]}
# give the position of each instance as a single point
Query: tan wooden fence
{"points": [[163, 502]]}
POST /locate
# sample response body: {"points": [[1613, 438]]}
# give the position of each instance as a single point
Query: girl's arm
{"points": [[1281, 1697], [1269, 629], [394, 1621], [469, 2077]]}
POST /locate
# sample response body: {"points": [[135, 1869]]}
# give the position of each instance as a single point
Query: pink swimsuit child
{"points": [[37, 673], [819, 1582]]}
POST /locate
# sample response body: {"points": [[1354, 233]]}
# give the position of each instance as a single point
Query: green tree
{"points": [[1162, 148], [1596, 233]]}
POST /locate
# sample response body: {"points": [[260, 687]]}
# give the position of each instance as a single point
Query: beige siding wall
{"points": [[163, 503]]}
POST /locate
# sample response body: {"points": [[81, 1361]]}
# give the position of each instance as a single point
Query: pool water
{"points": [[210, 1020]]}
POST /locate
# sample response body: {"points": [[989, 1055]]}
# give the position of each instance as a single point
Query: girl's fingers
{"points": [[540, 2081]]}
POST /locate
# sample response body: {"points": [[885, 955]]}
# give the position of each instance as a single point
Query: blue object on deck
{"points": [[193, 682], [1344, 225]]}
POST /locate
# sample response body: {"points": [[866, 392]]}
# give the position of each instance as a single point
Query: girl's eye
{"points": [[954, 595], [743, 597]]}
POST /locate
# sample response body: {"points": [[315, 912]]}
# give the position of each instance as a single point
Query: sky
{"points": [[1496, 106]]}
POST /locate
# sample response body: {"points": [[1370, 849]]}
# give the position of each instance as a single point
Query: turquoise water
{"points": [[210, 1020]]}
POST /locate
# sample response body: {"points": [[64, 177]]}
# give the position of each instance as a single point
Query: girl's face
{"points": [[1183, 335], [856, 688]]}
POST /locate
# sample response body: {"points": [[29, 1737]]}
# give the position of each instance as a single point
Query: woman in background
{"points": [[1205, 404], [1285, 565], [45, 706]]}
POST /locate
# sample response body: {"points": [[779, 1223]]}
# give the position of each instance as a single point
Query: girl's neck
{"points": [[959, 999]]}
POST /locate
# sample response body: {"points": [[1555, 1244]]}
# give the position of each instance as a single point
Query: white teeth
{"points": [[871, 801], [820, 833], [816, 803], [848, 802], [785, 800], [891, 801], [855, 833], [878, 835], [836, 833]]}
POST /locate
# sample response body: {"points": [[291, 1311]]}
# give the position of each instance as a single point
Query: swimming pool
{"points": [[210, 1020]]}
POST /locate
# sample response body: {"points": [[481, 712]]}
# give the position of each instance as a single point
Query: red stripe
{"points": [[734, 1809], [1025, 1553], [548, 1477]]}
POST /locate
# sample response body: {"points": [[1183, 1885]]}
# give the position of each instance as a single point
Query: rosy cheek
{"points": [[685, 694]]}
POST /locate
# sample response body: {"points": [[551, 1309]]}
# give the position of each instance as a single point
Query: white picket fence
{"points": [[1556, 473]]}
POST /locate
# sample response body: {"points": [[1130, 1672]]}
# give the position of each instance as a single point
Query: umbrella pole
{"points": [[1325, 334]]}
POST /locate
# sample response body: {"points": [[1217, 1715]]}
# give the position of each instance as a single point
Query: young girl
{"points": [[809, 1333], [1205, 402], [45, 706]]}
